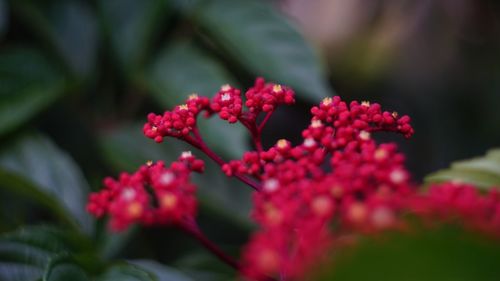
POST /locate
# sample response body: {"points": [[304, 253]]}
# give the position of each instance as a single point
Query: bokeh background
{"points": [[77, 79]]}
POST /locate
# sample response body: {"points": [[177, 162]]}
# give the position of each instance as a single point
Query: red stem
{"points": [[190, 227], [264, 121], [201, 145]]}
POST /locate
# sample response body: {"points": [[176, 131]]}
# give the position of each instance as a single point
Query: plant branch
{"points": [[198, 142], [190, 227]]}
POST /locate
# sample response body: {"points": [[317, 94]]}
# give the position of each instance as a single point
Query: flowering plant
{"points": [[307, 197]]}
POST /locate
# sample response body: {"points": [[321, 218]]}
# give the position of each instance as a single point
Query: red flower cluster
{"points": [[338, 173], [266, 97], [152, 195], [462, 202], [227, 102], [177, 123], [338, 180]]}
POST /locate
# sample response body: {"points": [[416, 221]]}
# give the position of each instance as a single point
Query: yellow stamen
{"points": [[364, 135], [316, 123], [282, 143], [168, 201], [327, 101], [134, 210], [277, 88]]}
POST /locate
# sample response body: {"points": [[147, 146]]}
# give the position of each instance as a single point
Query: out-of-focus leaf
{"points": [[257, 36], [483, 172], [19, 272], [182, 69], [24, 253], [131, 25], [111, 243], [446, 254], [160, 271], [35, 166], [70, 27], [4, 17], [126, 272], [28, 84], [64, 269], [203, 266], [127, 148]]}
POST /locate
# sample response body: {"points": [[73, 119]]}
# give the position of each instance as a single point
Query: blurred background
{"points": [[77, 79]]}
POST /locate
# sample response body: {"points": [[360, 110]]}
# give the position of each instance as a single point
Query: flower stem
{"points": [[190, 227], [264, 121], [198, 142]]}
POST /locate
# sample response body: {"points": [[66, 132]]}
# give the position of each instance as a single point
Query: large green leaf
{"points": [[25, 253], [203, 266], [36, 167], [131, 25], [484, 172], [69, 27], [127, 148], [160, 271], [29, 83], [446, 254], [64, 268], [253, 33], [182, 69], [126, 272]]}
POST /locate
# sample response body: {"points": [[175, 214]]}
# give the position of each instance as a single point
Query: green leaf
{"points": [[36, 167], [112, 243], [19, 272], [126, 272], [4, 17], [29, 83], [182, 69], [445, 254], [203, 266], [254, 34], [127, 148], [64, 268], [483, 172], [131, 25], [24, 253], [162, 272], [69, 27]]}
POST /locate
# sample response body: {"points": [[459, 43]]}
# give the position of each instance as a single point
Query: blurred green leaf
{"points": [[127, 148], [131, 25], [24, 253], [64, 269], [38, 168], [162, 272], [484, 172], [111, 243], [202, 266], [4, 17], [19, 272], [29, 83], [126, 272], [182, 69], [445, 254], [69, 27], [254, 34]]}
